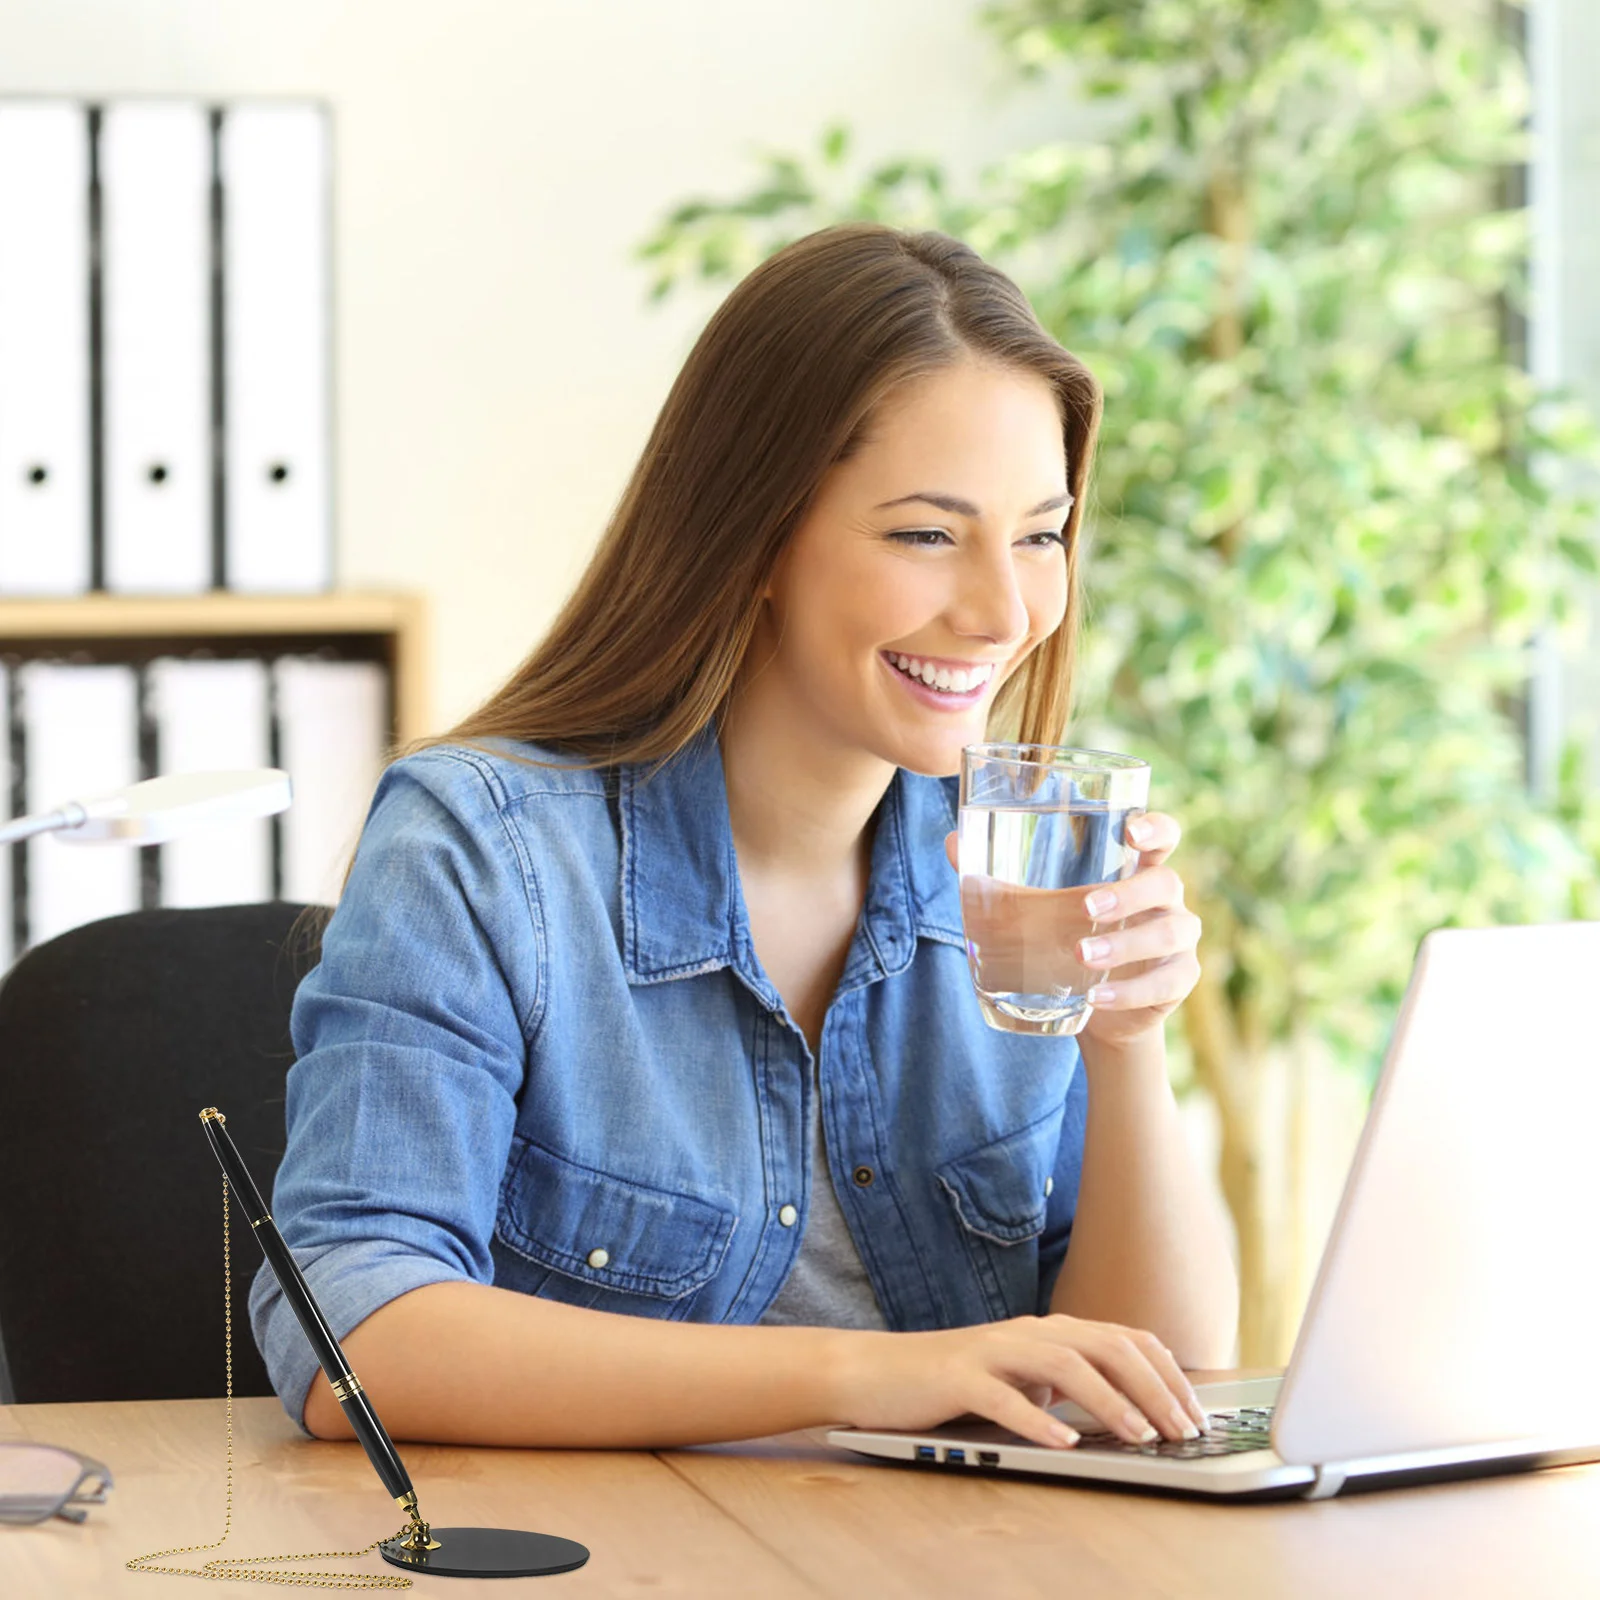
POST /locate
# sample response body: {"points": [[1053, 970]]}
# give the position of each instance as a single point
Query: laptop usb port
{"points": [[925, 1452], [988, 1458], [956, 1456]]}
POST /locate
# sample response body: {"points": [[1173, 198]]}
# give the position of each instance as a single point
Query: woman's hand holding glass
{"points": [[1145, 939], [1134, 936]]}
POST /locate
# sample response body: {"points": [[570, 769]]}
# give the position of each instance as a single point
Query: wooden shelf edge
{"points": [[399, 618], [140, 616]]}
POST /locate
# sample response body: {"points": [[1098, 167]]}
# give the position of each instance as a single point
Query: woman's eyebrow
{"points": [[965, 508]]}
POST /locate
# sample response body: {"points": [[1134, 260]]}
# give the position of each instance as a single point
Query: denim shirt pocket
{"points": [[571, 1232], [997, 1192]]}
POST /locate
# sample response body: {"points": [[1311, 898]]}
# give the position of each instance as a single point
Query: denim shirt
{"points": [[540, 1052]]}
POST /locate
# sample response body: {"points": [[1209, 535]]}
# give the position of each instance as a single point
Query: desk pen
{"points": [[347, 1388]]}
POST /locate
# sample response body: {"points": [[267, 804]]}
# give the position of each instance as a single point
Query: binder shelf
{"points": [[385, 628], [98, 691], [166, 324]]}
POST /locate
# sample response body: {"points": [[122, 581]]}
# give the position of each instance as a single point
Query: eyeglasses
{"points": [[40, 1481]]}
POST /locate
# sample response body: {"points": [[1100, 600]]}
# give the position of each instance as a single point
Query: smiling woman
{"points": [[641, 1069], [968, 585], [809, 358]]}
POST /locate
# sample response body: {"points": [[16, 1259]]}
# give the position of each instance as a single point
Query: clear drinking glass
{"points": [[1037, 818]]}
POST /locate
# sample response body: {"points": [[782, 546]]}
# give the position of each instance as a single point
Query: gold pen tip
{"points": [[211, 1114]]}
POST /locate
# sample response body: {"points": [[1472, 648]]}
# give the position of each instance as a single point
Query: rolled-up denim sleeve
{"points": [[411, 1036]]}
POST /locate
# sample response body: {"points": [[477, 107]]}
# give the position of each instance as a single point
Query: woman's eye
{"points": [[931, 538]]}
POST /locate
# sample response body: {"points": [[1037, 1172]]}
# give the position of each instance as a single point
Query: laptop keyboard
{"points": [[1231, 1432]]}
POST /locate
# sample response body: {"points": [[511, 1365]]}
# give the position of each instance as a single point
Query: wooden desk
{"points": [[779, 1518]]}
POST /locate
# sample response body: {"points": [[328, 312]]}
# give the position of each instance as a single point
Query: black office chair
{"points": [[112, 1038]]}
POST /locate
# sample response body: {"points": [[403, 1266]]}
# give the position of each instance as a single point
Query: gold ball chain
{"points": [[231, 1567]]}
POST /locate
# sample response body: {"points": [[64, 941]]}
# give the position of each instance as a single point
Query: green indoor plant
{"points": [[1331, 511]]}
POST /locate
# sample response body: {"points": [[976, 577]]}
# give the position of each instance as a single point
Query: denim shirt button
{"points": [[863, 1176], [599, 1258], [788, 1216]]}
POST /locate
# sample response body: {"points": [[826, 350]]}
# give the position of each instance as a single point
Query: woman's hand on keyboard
{"points": [[1010, 1371]]}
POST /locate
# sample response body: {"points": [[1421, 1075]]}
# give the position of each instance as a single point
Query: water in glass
{"points": [[1021, 949]]}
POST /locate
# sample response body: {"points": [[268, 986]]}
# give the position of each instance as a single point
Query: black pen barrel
{"points": [[239, 1179], [353, 1401], [347, 1389]]}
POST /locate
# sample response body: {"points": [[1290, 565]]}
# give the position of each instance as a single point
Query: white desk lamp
{"points": [[159, 808]]}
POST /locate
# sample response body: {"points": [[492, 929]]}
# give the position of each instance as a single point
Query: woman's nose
{"points": [[990, 603]]}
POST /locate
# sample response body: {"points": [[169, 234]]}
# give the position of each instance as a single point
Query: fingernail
{"points": [[1184, 1423], [1062, 1434], [1138, 829], [1100, 902], [1101, 995], [1138, 1427], [1093, 949]]}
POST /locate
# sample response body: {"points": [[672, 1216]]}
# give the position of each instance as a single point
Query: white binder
{"points": [[332, 739], [80, 729], [155, 198], [275, 207], [44, 348], [213, 715]]}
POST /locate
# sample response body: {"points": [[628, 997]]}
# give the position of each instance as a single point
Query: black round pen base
{"points": [[489, 1553]]}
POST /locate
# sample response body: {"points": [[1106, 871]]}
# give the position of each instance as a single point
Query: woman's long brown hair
{"points": [[781, 386]]}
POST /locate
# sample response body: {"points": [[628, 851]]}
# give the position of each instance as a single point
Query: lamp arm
{"points": [[72, 815]]}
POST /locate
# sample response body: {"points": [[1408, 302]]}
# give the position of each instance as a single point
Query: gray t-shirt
{"points": [[827, 1287]]}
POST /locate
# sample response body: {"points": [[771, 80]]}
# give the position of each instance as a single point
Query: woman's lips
{"points": [[940, 699]]}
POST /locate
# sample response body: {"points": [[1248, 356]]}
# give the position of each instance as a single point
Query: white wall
{"points": [[497, 368]]}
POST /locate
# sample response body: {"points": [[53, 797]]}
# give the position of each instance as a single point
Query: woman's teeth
{"points": [[959, 681]]}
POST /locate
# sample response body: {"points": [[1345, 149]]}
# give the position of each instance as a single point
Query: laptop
{"points": [[1452, 1327]]}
